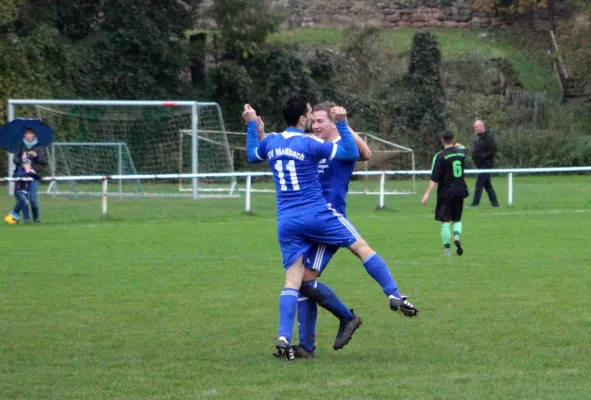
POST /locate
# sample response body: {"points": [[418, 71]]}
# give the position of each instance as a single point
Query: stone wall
{"points": [[380, 13]]}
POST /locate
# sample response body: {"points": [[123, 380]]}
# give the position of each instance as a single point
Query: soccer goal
{"points": [[105, 137], [386, 156]]}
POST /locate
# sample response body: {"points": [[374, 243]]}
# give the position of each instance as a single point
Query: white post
{"points": [[10, 155], [104, 202], [120, 169], [53, 184], [248, 185], [382, 188], [414, 176], [510, 190], [195, 148]]}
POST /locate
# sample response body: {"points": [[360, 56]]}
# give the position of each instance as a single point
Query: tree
{"points": [[244, 26], [135, 51], [277, 71], [423, 103], [231, 87]]}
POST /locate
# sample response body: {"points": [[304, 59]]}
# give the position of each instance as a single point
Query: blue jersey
{"points": [[303, 216], [334, 179], [293, 158]]}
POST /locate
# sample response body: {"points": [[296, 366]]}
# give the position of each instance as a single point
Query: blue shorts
{"points": [[318, 257], [298, 235]]}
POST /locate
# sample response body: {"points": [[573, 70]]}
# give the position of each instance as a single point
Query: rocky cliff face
{"points": [[379, 13]]}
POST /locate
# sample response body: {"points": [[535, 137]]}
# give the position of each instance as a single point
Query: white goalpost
{"points": [[117, 137]]}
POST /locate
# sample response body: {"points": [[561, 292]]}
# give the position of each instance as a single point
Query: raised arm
{"points": [[348, 150], [364, 151], [252, 136]]}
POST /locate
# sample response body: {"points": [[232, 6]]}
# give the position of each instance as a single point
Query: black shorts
{"points": [[449, 208]]}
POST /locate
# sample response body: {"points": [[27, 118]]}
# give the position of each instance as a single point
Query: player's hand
{"points": [[33, 153], [249, 114], [260, 126], [425, 199], [458, 145], [338, 114]]}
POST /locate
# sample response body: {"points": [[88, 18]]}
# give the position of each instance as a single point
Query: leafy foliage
{"points": [[8, 12], [123, 49], [423, 108], [277, 71], [231, 87], [244, 25]]}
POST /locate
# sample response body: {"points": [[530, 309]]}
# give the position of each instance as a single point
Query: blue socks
{"points": [[325, 297], [307, 317], [378, 270], [288, 303], [314, 293]]}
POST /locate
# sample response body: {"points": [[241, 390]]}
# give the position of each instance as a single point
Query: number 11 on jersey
{"points": [[293, 177]]}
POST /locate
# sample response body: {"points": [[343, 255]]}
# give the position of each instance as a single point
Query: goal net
{"points": [[209, 142], [82, 158], [134, 137], [386, 156]]}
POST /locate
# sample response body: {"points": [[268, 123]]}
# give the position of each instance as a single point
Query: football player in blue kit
{"points": [[303, 217], [334, 179]]}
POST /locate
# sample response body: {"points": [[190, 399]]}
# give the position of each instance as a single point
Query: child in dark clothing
{"points": [[21, 192]]}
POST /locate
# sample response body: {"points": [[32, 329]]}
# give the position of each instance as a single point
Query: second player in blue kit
{"points": [[304, 218], [335, 176]]}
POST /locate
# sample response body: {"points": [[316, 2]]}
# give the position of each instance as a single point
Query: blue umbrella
{"points": [[12, 134]]}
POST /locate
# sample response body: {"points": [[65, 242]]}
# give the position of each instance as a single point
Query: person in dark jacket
{"points": [[21, 192], [483, 153], [31, 149]]}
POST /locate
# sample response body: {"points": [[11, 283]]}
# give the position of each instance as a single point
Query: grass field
{"points": [[177, 299]]}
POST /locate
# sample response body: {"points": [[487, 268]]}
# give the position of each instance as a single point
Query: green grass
{"points": [[536, 75], [177, 299]]}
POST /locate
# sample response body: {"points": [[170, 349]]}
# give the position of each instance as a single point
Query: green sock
{"points": [[457, 228], [445, 235]]}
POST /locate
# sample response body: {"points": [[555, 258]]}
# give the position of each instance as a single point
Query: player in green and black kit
{"points": [[447, 173]]}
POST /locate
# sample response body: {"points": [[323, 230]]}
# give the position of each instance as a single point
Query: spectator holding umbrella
{"points": [[31, 149], [27, 139]]}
